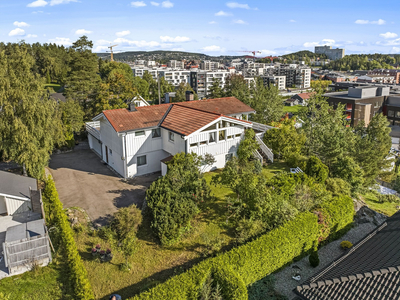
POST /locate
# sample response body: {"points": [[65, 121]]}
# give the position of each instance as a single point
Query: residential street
{"points": [[83, 180]]}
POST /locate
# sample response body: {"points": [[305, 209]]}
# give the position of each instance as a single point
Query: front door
{"points": [[106, 154]]}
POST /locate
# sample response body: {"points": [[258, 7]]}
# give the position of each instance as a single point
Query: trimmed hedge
{"points": [[247, 263], [55, 215]]}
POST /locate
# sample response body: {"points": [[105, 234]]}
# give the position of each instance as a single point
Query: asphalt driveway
{"points": [[82, 180]]}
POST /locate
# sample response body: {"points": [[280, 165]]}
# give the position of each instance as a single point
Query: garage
{"points": [[94, 144]]}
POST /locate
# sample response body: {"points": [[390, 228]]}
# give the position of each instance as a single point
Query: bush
{"points": [[346, 245], [317, 169], [387, 198], [338, 186], [78, 275]]}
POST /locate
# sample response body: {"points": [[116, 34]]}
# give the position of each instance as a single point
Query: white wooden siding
{"points": [[94, 144], [110, 138], [16, 206], [153, 163], [177, 146], [142, 144], [222, 147]]}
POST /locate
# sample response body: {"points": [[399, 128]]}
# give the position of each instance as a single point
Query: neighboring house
{"points": [[139, 101], [15, 193], [302, 98], [369, 270], [23, 236], [134, 141], [291, 102]]}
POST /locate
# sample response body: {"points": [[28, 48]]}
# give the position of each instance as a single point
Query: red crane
{"points": [[271, 58]]}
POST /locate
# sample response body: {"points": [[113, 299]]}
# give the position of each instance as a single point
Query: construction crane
{"points": [[271, 58], [111, 51], [254, 53]]}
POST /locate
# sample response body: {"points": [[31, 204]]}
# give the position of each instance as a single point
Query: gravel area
{"points": [[284, 283]]}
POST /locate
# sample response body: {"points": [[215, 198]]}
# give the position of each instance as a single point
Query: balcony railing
{"points": [[93, 129]]}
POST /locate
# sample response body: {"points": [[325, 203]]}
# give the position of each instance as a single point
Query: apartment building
{"points": [[201, 81], [387, 72], [208, 65], [332, 54], [175, 64], [175, 77], [139, 71], [278, 81]]}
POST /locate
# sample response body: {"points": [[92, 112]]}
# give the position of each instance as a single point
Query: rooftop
{"points": [[16, 185], [150, 116], [369, 270]]}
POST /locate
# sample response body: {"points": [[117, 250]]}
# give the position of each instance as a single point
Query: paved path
{"points": [[83, 180]]}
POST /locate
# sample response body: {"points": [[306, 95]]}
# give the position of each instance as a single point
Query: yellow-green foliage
{"points": [[346, 245], [78, 275], [248, 263]]}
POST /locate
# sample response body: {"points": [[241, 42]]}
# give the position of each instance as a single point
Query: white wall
{"points": [[94, 144], [113, 142], [3, 206], [177, 146], [16, 206]]}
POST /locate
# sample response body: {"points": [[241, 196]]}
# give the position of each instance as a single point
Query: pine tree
{"points": [[215, 90], [30, 122]]}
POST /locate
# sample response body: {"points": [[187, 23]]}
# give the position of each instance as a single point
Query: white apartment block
{"points": [[175, 77], [306, 74], [176, 64], [201, 81], [208, 65], [139, 71]]}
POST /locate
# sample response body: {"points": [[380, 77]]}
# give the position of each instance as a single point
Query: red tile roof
{"points": [[305, 95], [200, 112], [186, 120]]}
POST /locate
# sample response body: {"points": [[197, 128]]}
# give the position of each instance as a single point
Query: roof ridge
{"points": [[198, 109]]}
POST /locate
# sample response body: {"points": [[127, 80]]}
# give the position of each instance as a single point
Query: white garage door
{"points": [[96, 145]]}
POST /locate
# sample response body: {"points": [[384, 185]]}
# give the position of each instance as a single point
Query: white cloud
{"points": [[138, 4], [378, 22], [57, 2], [83, 31], [98, 49], [212, 22], [240, 22], [177, 39], [122, 33], [154, 3], [21, 24], [395, 50], [292, 21], [324, 42], [167, 4], [178, 49], [268, 52], [31, 36], [394, 42], [61, 41], [37, 12], [387, 35], [138, 44], [37, 3], [16, 31], [102, 42], [223, 14], [237, 5], [213, 48]]}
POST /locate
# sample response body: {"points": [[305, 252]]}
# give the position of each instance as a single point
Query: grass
{"points": [[271, 169], [385, 208], [293, 109], [45, 283], [54, 87]]}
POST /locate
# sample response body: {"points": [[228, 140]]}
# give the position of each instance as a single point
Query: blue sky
{"points": [[213, 27]]}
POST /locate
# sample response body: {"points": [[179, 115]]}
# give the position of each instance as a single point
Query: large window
{"points": [[171, 136], [141, 160], [222, 135], [212, 138], [139, 133], [391, 113], [155, 133]]}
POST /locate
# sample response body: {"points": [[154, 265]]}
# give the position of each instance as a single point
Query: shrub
{"points": [[338, 186], [346, 245], [317, 169], [78, 275], [125, 220], [387, 198]]}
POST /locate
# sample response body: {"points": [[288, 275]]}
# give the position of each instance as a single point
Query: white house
{"points": [[15, 193], [135, 141]]}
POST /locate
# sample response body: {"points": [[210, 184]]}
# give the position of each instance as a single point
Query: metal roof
{"points": [[25, 231], [16, 185]]}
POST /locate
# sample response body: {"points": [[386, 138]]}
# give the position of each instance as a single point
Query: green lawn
{"points": [[271, 169], [385, 208], [293, 109], [54, 87], [44, 283]]}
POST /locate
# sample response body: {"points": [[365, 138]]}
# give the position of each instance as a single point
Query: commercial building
{"points": [[333, 54]]}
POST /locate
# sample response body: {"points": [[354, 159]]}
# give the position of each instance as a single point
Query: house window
{"points": [[193, 145], [141, 160], [110, 151], [397, 114], [228, 157], [171, 136], [139, 133], [238, 135], [391, 113], [376, 104], [222, 135], [156, 133], [203, 143], [212, 137], [230, 137]]}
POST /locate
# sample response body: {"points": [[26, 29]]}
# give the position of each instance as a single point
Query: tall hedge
{"points": [[55, 214], [248, 263]]}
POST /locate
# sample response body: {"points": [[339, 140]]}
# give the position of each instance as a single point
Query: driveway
{"points": [[82, 180]]}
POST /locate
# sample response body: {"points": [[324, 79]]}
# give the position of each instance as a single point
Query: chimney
{"points": [[132, 106], [189, 96]]}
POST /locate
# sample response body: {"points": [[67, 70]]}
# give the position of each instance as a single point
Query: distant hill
{"points": [[164, 56]]}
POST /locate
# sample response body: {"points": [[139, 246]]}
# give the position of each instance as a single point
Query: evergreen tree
{"points": [[215, 90], [83, 79], [181, 92], [30, 123]]}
